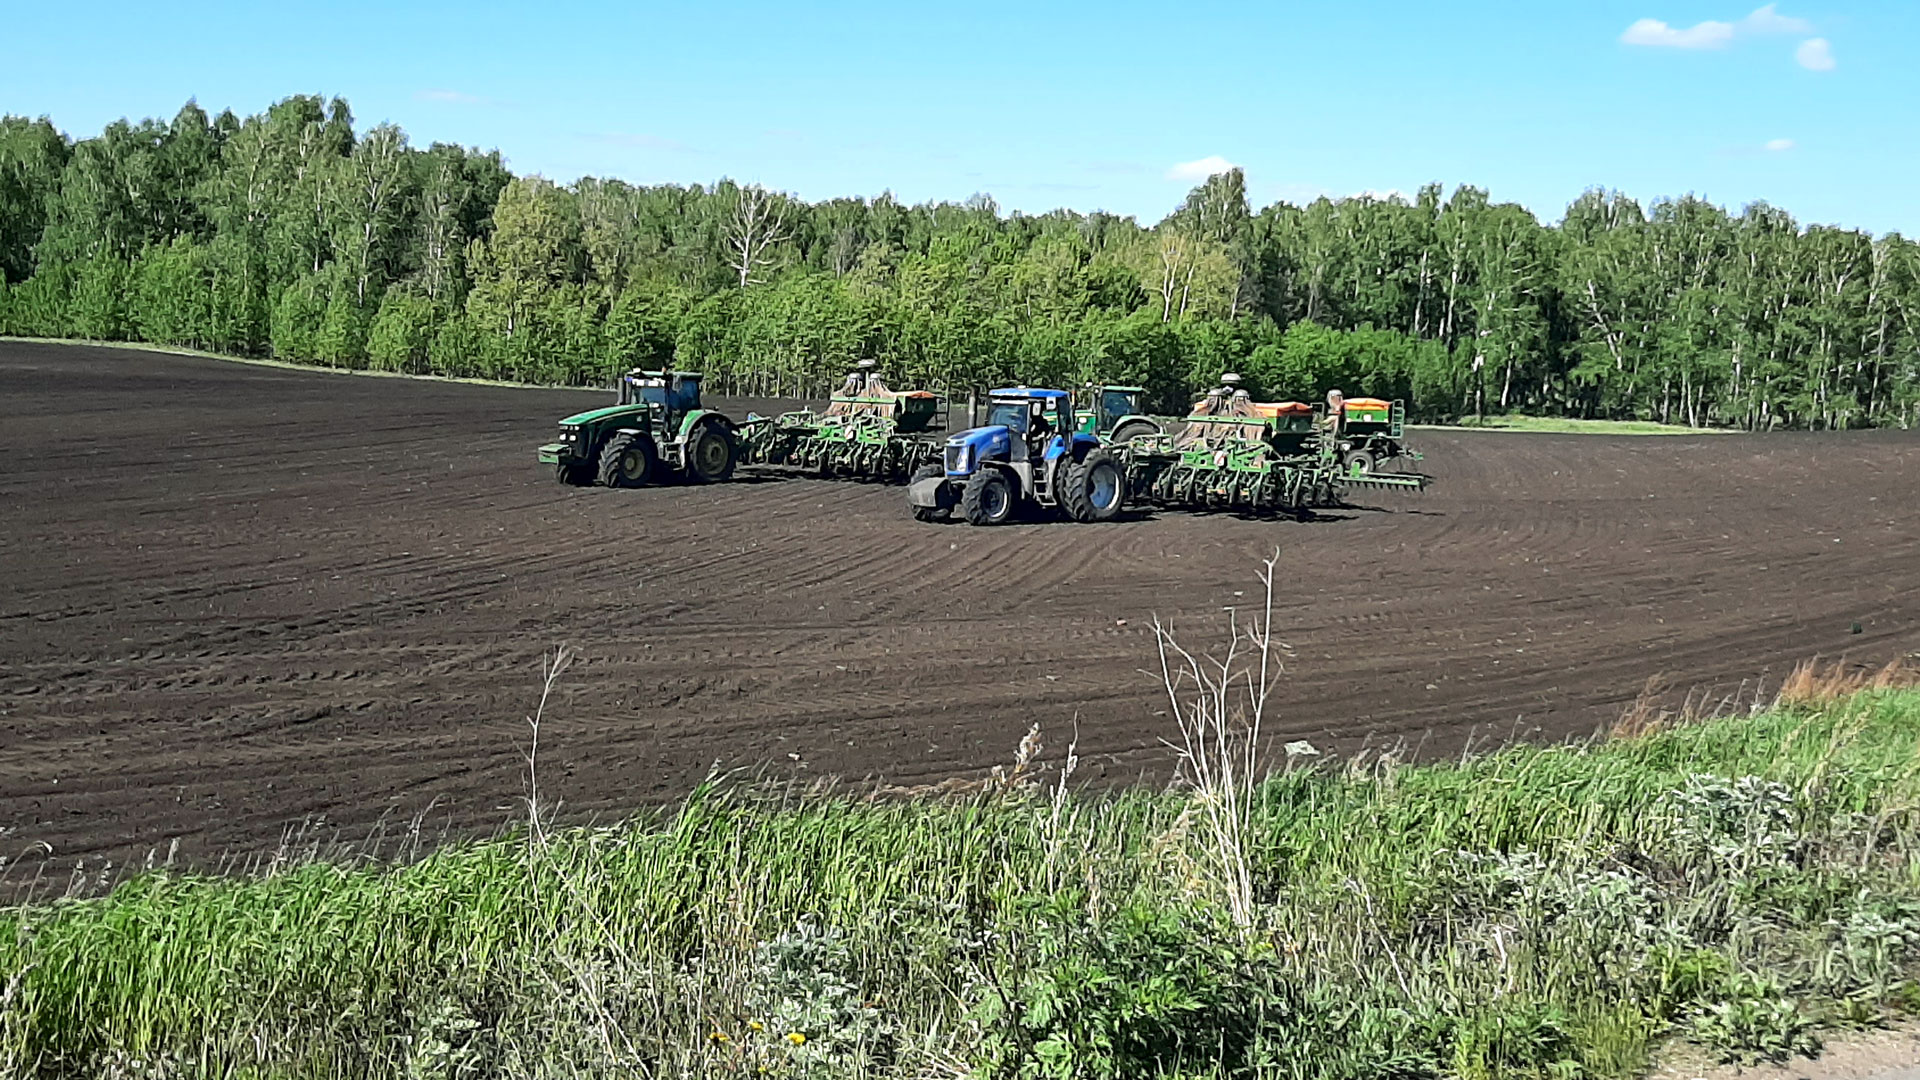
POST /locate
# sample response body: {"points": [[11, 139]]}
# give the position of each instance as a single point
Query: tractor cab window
{"points": [[1017, 415], [1029, 417], [635, 389], [1115, 404]]}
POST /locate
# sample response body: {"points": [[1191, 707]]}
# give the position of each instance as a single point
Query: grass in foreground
{"points": [[1563, 425], [1742, 882]]}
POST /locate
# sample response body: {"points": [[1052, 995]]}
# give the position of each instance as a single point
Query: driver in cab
{"points": [[1037, 427]]}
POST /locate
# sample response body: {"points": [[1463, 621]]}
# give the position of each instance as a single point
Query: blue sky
{"points": [[1813, 106]]}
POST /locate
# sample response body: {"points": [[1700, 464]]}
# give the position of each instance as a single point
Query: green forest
{"points": [[291, 234]]}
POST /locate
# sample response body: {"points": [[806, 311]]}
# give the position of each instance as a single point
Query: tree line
{"points": [[292, 234]]}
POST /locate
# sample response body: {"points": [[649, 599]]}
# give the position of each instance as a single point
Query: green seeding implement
{"points": [[866, 431], [1240, 454]]}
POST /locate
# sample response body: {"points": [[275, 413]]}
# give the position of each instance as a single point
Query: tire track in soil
{"points": [[304, 597]]}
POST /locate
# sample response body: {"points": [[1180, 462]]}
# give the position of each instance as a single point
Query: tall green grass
{"points": [[1744, 882]]}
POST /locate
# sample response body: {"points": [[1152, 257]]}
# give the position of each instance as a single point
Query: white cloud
{"points": [[1199, 170], [450, 97], [1766, 20], [1714, 34], [1815, 54], [1657, 34], [1779, 146]]}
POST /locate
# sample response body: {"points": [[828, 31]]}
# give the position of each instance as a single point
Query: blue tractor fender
{"points": [[1082, 444]]}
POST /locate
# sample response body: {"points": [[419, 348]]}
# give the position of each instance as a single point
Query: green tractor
{"points": [[657, 431], [1114, 414]]}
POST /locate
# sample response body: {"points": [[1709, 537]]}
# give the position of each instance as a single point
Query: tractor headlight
{"points": [[957, 458]]}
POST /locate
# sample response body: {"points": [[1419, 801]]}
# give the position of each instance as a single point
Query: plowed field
{"points": [[237, 599]]}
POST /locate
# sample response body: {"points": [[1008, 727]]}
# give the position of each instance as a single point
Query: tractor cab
{"points": [[1110, 405], [1114, 413], [1034, 415], [678, 392]]}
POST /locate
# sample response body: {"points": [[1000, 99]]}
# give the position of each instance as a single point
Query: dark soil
{"points": [[238, 600]]}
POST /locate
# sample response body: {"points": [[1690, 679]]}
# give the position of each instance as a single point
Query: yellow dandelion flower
{"points": [[718, 1036], [755, 1025], [796, 1038]]}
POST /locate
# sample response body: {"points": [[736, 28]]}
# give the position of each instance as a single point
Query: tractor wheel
{"points": [[627, 461], [1093, 488], [988, 498], [1132, 430], [710, 454], [928, 513], [1359, 462], [573, 474]]}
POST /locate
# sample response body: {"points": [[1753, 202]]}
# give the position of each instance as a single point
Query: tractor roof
{"points": [[1027, 393], [1125, 389]]}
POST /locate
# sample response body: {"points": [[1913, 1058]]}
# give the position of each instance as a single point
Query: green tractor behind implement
{"points": [[1114, 414], [657, 430]]}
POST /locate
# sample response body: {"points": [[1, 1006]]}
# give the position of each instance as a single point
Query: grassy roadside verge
{"points": [[1742, 882]]}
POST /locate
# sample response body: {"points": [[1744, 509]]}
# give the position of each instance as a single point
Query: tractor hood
{"points": [[983, 442], [593, 416]]}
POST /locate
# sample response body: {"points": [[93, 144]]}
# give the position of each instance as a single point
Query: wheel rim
{"points": [[713, 455], [994, 500], [1104, 487], [630, 464]]}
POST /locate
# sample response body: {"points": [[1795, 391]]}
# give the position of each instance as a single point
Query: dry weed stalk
{"points": [[1218, 754], [588, 981], [1813, 684]]}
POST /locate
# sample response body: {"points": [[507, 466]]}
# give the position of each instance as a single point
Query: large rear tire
{"points": [[1093, 488], [710, 454], [627, 461], [928, 513], [1132, 430], [988, 498]]}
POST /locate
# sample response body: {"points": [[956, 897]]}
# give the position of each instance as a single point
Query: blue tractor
{"points": [[1029, 453]]}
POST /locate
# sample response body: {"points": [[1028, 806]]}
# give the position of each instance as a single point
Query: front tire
{"points": [[627, 461], [1093, 488], [710, 454], [988, 498], [573, 474]]}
